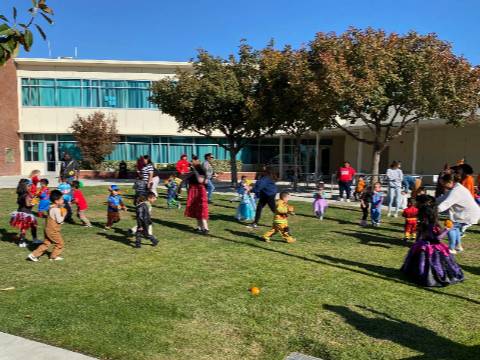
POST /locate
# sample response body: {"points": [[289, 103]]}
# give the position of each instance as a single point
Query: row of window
{"points": [[124, 94]]}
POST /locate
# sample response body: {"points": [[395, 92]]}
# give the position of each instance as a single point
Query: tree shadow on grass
{"points": [[373, 239], [384, 327]]}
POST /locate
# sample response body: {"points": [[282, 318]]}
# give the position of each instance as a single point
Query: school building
{"points": [[40, 98]]}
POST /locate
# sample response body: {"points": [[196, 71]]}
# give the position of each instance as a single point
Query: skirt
{"points": [[197, 202], [431, 265], [22, 220]]}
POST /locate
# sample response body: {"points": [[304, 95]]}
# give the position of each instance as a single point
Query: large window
{"points": [[124, 94]]}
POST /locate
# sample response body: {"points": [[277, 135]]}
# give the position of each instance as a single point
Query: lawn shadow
{"points": [[369, 238], [223, 217], [174, 225], [475, 270], [253, 236], [8, 236], [122, 238], [384, 327]]}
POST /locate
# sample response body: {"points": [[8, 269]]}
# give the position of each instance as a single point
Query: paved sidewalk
{"points": [[17, 348]]}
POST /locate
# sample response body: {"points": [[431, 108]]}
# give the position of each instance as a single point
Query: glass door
{"points": [[51, 157]]}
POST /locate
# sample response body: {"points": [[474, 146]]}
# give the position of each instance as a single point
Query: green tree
{"points": [[14, 34], [386, 82], [286, 94], [96, 135], [217, 97]]}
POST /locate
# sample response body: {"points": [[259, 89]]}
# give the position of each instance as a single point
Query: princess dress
{"points": [[319, 206], [247, 207], [430, 263]]}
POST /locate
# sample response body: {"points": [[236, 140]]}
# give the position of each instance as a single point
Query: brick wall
{"points": [[9, 139]]}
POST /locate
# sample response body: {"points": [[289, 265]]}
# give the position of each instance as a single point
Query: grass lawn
{"points": [[336, 293]]}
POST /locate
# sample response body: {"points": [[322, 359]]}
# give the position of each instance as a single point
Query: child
{"points": [[115, 204], [81, 203], [23, 219], [421, 190], [319, 203], [361, 184], [141, 189], [242, 185], [454, 236], [247, 207], [365, 201], [35, 179], [172, 187], [411, 217], [376, 204], [55, 218], [280, 220], [44, 199], [66, 189], [429, 262], [144, 220]]}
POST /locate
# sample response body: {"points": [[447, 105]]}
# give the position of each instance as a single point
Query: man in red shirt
{"points": [[345, 176]]}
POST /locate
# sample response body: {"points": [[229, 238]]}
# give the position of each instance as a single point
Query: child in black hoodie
{"points": [[144, 220]]}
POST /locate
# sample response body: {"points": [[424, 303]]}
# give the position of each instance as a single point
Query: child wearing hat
{"points": [[115, 204]]}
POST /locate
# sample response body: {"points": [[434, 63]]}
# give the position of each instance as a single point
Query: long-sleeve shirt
{"points": [[462, 207], [208, 168], [395, 177], [265, 186], [57, 214], [377, 199]]}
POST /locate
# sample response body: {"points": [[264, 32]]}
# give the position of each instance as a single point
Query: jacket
{"points": [[144, 219], [265, 186], [183, 167], [410, 214], [282, 209]]}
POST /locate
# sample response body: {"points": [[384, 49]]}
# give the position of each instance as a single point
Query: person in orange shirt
{"points": [[469, 183]]}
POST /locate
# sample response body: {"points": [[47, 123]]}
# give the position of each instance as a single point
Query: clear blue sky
{"points": [[173, 30]]}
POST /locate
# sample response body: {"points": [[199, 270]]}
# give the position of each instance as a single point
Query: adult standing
{"points": [[210, 174], [463, 210], [265, 189], [69, 168], [345, 175], [395, 179], [197, 200]]}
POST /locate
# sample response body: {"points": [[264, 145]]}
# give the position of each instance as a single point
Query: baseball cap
{"points": [[114, 188]]}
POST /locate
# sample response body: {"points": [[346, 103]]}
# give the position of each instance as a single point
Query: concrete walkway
{"points": [[17, 348]]}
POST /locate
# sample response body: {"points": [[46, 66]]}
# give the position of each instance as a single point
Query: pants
{"points": [[410, 230], [365, 212], [134, 229], [283, 229], [145, 233], [83, 218], [262, 201], [154, 186], [112, 218], [50, 238], [68, 217], [345, 186], [455, 236], [394, 198], [210, 189], [376, 215]]}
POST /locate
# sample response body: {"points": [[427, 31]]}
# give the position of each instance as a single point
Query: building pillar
{"points": [[415, 147], [360, 152], [280, 159], [317, 155]]}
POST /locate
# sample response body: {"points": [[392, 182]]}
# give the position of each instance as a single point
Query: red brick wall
{"points": [[9, 139]]}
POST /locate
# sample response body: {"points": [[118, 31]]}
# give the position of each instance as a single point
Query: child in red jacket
{"points": [[410, 214], [79, 200]]}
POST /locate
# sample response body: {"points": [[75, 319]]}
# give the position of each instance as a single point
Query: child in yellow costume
{"points": [[280, 220]]}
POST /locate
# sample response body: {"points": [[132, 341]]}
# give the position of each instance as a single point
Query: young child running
{"points": [[44, 199], [66, 189], [376, 204], [411, 217], [23, 219], [172, 196], [280, 220], [79, 200], [55, 218], [140, 187], [365, 201], [247, 207], [115, 204], [320, 204], [144, 220]]}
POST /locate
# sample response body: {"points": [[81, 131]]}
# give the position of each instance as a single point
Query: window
{"points": [[125, 94], [34, 150]]}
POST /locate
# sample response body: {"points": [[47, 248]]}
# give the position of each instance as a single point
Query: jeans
{"points": [[210, 189], [455, 235], [408, 183], [376, 214], [345, 186], [262, 201], [394, 197]]}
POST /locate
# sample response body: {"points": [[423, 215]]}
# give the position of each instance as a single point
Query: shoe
{"points": [[348, 200], [179, 206], [138, 246], [37, 241], [198, 230], [453, 251], [321, 217], [88, 225], [22, 244], [58, 258], [254, 226], [291, 240], [154, 243], [341, 200], [459, 249], [266, 239], [389, 214], [395, 215], [205, 232], [33, 258], [106, 228]]}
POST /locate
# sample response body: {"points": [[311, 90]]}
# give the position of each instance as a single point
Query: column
{"points": [[415, 147], [317, 156], [280, 159], [359, 152]]}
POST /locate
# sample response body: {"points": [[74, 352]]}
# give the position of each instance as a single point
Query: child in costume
{"points": [[365, 201], [66, 189], [376, 204], [140, 187], [35, 180], [361, 184], [172, 186], [55, 219], [115, 204], [247, 207], [280, 220], [429, 262], [242, 185], [23, 219], [144, 220], [320, 204], [79, 200], [44, 199], [410, 214]]}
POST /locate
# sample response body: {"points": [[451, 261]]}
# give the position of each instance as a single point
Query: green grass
{"points": [[336, 293]]}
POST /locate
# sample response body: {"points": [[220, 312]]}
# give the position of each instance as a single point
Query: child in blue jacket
{"points": [[376, 204]]}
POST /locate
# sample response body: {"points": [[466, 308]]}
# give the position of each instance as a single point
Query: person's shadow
{"points": [[384, 327], [373, 239], [7, 236]]}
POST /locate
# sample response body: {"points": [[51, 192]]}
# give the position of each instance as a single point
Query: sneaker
{"points": [[348, 200], [37, 241], [321, 217], [291, 240], [198, 230], [205, 232], [22, 244], [253, 226], [341, 200], [138, 246], [155, 243], [33, 258], [106, 228], [87, 225], [395, 215], [58, 258], [459, 249], [453, 251]]}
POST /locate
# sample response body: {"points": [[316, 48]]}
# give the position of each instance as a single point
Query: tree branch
{"points": [[352, 134]]}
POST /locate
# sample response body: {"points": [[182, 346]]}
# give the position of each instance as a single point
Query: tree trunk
{"points": [[233, 165], [296, 162], [377, 151]]}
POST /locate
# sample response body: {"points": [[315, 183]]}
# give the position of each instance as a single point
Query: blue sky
{"points": [[173, 30]]}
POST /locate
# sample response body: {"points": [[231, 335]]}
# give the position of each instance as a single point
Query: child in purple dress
{"points": [[320, 204]]}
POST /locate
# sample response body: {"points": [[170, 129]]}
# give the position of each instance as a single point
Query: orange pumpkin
{"points": [[448, 224], [255, 291]]}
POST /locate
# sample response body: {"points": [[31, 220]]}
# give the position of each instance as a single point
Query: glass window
{"points": [[34, 150]]}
